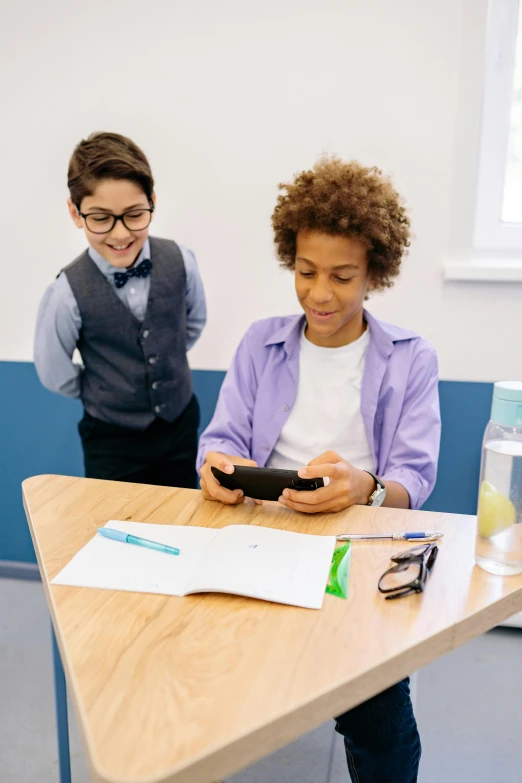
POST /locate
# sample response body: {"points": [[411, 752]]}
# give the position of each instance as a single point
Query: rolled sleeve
{"points": [[413, 456]]}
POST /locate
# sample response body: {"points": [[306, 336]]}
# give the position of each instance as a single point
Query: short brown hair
{"points": [[107, 156], [345, 199]]}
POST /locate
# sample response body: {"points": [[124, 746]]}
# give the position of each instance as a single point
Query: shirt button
{"points": [[266, 448], [133, 290], [155, 384], [157, 408], [152, 360], [284, 408], [145, 333]]}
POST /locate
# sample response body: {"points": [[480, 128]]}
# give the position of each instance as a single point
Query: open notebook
{"points": [[259, 562]]}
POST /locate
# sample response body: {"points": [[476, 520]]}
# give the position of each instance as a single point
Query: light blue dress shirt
{"points": [[59, 321]]}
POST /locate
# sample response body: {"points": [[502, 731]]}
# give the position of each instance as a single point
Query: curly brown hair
{"points": [[345, 199]]}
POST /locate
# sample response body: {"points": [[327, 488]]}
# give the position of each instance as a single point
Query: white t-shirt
{"points": [[327, 410]]}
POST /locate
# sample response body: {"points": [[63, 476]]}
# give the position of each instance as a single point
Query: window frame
{"points": [[490, 232]]}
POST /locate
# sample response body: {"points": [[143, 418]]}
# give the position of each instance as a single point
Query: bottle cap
{"points": [[506, 408]]}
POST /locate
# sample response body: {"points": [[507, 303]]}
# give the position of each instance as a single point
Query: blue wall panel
{"points": [[465, 409], [38, 435]]}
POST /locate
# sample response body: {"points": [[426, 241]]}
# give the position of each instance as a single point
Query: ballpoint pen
{"points": [[427, 535], [117, 535]]}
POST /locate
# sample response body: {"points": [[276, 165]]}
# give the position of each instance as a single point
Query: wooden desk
{"points": [[189, 690]]}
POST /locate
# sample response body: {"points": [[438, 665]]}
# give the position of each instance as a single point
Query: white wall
{"points": [[229, 98]]}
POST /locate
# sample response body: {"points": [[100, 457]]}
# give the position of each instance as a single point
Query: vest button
{"points": [[155, 385], [157, 408], [145, 333], [152, 360]]}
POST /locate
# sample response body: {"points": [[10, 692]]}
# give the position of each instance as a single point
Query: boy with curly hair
{"points": [[334, 392]]}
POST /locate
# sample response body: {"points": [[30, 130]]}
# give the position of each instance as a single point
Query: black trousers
{"points": [[163, 454], [381, 738]]}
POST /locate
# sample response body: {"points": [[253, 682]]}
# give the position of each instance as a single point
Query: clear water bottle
{"points": [[499, 514]]}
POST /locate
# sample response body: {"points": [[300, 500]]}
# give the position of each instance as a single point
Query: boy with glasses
{"points": [[133, 305]]}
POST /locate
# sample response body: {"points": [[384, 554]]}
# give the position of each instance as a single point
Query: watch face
{"points": [[377, 499]]}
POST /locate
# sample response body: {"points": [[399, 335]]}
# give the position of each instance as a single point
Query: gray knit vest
{"points": [[134, 372]]}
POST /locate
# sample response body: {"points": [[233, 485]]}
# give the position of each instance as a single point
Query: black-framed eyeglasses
{"points": [[104, 222], [410, 572]]}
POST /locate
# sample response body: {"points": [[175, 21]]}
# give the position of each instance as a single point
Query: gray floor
{"points": [[469, 710]]}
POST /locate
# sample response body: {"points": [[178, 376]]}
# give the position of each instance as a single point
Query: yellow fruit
{"points": [[495, 511]]}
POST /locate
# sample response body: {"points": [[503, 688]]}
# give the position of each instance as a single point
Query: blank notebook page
{"points": [[275, 565]]}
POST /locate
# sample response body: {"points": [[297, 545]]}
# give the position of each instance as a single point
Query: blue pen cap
{"points": [[506, 408], [109, 532]]}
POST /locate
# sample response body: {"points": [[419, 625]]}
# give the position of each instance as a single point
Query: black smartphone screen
{"points": [[265, 483]]}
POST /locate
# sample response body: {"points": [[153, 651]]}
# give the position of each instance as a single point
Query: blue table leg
{"points": [[62, 724]]}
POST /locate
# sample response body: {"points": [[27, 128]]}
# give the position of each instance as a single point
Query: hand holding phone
{"points": [[210, 486]]}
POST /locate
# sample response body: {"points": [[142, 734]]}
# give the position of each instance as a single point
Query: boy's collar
{"points": [[288, 334], [382, 334], [108, 269]]}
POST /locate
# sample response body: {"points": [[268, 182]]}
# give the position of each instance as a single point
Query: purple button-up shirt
{"points": [[399, 400]]}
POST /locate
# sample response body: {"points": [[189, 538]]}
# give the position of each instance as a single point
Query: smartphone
{"points": [[265, 483]]}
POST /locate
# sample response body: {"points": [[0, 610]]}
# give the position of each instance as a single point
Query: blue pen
{"points": [[432, 535], [117, 535]]}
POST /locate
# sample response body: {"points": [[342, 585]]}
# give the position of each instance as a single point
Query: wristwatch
{"points": [[379, 493]]}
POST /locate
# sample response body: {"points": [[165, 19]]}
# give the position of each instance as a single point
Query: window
{"points": [[512, 192], [498, 223], [497, 235]]}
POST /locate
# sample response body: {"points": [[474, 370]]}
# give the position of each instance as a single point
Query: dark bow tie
{"points": [[142, 270]]}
